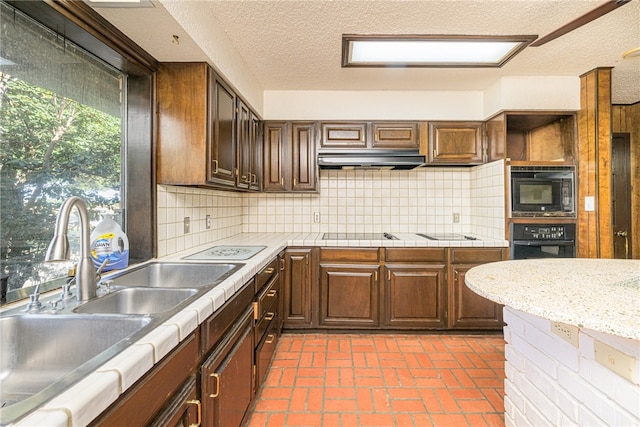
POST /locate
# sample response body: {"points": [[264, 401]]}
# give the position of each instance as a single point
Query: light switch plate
{"points": [[187, 225], [589, 203], [617, 361]]}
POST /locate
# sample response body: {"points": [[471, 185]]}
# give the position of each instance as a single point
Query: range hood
{"points": [[370, 159]]}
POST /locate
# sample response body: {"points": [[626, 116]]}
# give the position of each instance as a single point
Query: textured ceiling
{"points": [[296, 44]]}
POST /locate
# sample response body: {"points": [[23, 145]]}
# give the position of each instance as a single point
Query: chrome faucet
{"points": [[86, 282]]}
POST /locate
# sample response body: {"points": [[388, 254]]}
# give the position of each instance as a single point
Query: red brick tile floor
{"points": [[363, 380]]}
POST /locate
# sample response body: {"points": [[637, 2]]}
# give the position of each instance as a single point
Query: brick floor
{"points": [[360, 380]]}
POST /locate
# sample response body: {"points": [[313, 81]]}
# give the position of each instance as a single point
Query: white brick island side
{"points": [[573, 339]]}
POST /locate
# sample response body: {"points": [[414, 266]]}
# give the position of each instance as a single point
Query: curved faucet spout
{"points": [[59, 247]]}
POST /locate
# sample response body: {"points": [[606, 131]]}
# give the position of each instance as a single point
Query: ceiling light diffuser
{"points": [[430, 51]]}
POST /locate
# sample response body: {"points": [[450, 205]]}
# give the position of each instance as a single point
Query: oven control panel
{"points": [[543, 232]]}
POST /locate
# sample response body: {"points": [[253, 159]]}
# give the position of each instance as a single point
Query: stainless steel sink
{"points": [[176, 275], [137, 301], [42, 354]]}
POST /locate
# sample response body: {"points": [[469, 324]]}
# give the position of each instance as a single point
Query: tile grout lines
{"points": [[365, 380]]}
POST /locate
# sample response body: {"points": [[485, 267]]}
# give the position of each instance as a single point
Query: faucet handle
{"points": [[54, 305], [107, 285], [34, 304]]}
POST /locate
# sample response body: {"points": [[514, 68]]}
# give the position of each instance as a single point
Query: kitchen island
{"points": [[573, 339]]}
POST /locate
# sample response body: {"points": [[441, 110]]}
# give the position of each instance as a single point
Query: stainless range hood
{"points": [[370, 159]]}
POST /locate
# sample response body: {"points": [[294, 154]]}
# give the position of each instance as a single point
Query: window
{"points": [[75, 118]]}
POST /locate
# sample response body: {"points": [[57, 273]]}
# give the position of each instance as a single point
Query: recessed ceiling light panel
{"points": [[430, 51]]}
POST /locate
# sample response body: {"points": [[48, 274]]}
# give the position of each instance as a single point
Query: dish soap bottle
{"points": [[109, 241]]}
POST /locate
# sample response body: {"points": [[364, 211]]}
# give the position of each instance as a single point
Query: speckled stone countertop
{"points": [[598, 294]]}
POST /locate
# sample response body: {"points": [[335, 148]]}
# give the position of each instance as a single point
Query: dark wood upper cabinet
{"points": [[388, 135], [303, 144], [391, 135], [222, 165], [289, 150], [248, 148], [456, 143], [344, 135]]}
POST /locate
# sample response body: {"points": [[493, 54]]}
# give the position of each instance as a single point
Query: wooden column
{"points": [[595, 231]]}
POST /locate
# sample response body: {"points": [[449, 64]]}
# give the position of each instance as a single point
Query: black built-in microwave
{"points": [[542, 191]]}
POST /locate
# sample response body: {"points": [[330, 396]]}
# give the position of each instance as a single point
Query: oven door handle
{"points": [[544, 242]]}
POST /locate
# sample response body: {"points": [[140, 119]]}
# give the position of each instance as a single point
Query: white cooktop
{"points": [[224, 252]]}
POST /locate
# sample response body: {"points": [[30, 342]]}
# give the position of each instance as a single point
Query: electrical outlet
{"points": [[187, 225], [569, 333], [316, 217], [617, 361], [208, 221], [456, 217], [589, 204]]}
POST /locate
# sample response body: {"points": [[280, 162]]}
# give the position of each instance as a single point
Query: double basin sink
{"points": [[44, 353]]}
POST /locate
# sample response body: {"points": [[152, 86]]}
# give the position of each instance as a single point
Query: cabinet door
{"points": [[183, 410], [496, 138], [222, 150], [395, 135], [415, 296], [344, 135], [349, 295], [455, 143], [276, 156], [469, 310], [255, 141], [245, 146], [297, 287], [227, 378], [182, 123], [304, 157]]}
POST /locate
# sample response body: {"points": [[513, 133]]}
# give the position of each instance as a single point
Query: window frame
{"points": [[86, 28]]}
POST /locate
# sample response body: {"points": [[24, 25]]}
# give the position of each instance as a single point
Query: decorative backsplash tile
{"points": [[355, 201]]}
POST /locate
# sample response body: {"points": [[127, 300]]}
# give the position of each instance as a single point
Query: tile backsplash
{"points": [[355, 201]]}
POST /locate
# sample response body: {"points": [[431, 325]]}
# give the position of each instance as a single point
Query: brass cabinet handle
{"points": [[389, 274], [256, 310], [375, 276], [269, 316], [295, 182], [282, 181], [272, 293], [214, 164], [254, 180], [199, 405], [269, 270], [216, 376], [270, 339], [434, 153], [282, 264]]}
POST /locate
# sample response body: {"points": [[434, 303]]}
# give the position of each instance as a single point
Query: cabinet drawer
{"points": [[264, 322], [341, 255], [265, 350], [462, 256], [266, 299], [214, 327], [416, 254], [266, 274]]}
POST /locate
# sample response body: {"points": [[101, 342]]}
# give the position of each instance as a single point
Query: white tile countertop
{"points": [[85, 400], [598, 294]]}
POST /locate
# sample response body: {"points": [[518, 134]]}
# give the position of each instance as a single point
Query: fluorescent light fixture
{"points": [[5, 61], [430, 51], [119, 3]]}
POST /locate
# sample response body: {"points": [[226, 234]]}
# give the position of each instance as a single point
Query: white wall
{"points": [[508, 93]]}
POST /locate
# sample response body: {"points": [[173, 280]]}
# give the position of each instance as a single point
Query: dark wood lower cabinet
{"points": [[183, 410], [468, 310], [227, 377], [415, 296], [349, 295], [297, 278]]}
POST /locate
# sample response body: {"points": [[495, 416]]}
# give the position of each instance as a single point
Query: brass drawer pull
{"points": [[270, 339], [217, 388], [256, 310], [282, 264], [199, 405], [269, 270], [269, 316], [214, 164], [272, 293]]}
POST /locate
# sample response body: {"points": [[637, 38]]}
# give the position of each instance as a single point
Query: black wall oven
{"points": [[543, 241]]}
